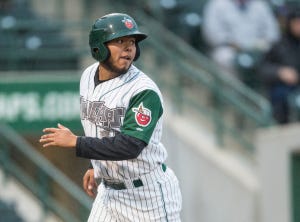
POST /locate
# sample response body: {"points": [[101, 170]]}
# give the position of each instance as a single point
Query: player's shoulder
{"points": [[90, 70], [142, 79], [144, 82]]}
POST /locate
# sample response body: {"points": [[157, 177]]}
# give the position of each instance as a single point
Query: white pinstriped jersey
{"points": [[119, 105]]}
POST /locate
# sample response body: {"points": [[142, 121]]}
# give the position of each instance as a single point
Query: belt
{"points": [[122, 186]]}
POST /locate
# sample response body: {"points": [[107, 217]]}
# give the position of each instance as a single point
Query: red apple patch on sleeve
{"points": [[142, 115]]}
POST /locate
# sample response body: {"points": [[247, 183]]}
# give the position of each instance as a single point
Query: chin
{"points": [[123, 71], [113, 68]]}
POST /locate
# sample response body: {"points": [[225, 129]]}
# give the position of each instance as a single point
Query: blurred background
{"points": [[228, 71]]}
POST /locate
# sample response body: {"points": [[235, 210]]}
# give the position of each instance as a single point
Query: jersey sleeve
{"points": [[143, 112]]}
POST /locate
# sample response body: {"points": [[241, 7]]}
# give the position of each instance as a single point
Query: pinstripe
{"points": [[134, 206], [163, 201], [156, 204], [138, 201], [112, 205], [151, 204], [128, 209]]}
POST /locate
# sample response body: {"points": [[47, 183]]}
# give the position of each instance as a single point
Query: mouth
{"points": [[128, 58]]}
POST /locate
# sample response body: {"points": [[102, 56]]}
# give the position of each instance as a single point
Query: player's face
{"points": [[122, 52]]}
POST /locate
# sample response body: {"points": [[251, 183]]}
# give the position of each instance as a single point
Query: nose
{"points": [[129, 46]]}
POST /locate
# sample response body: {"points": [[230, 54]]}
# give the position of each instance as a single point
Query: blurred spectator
{"points": [[280, 69], [239, 31]]}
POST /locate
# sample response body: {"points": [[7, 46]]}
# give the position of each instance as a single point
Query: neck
{"points": [[104, 74]]}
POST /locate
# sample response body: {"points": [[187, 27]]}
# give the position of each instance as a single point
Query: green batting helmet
{"points": [[110, 27]]}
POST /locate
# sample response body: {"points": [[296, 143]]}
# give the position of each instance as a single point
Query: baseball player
{"points": [[121, 113]]}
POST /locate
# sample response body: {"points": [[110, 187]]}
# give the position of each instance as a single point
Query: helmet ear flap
{"points": [[100, 53], [137, 52]]}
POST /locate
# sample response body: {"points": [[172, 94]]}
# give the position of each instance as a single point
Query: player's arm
{"points": [[119, 147], [140, 120]]}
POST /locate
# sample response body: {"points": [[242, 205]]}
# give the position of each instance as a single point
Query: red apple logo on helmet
{"points": [[142, 115], [128, 23]]}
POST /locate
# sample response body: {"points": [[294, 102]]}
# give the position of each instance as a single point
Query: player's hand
{"points": [[89, 183], [61, 137]]}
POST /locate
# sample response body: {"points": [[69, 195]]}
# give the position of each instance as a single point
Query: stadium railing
{"points": [[56, 192]]}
